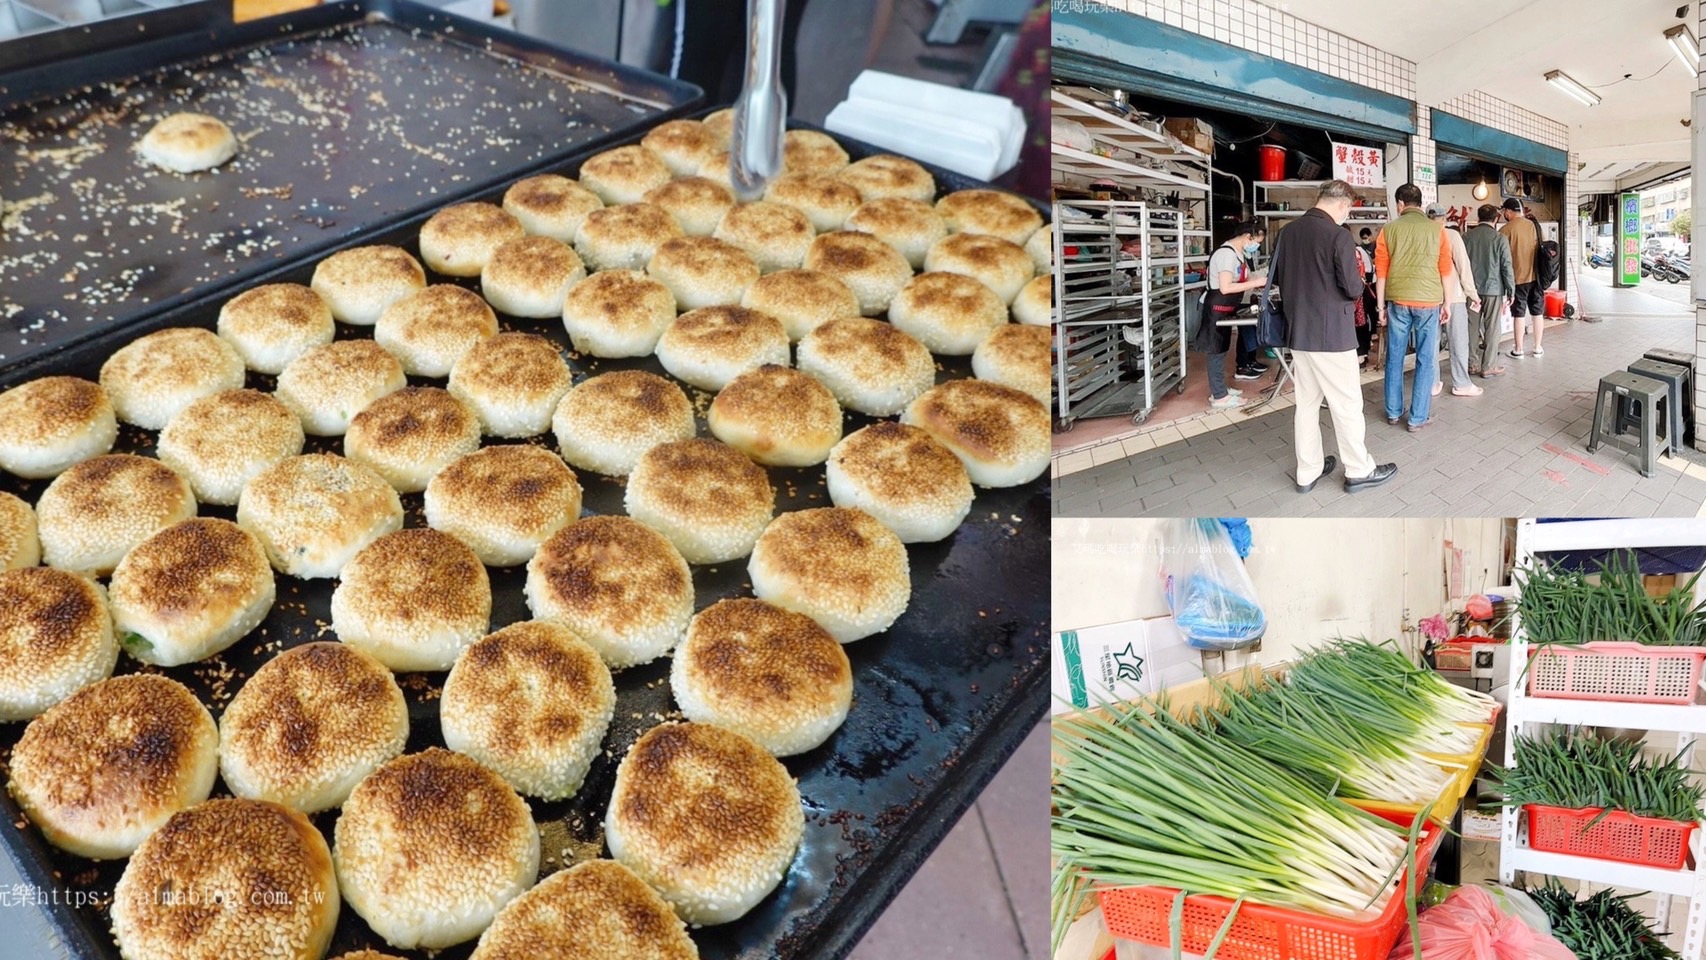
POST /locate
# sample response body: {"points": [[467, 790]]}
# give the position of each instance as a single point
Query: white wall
{"points": [[1315, 578]]}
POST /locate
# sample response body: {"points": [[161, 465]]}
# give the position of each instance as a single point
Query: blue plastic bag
{"points": [[1210, 593]]}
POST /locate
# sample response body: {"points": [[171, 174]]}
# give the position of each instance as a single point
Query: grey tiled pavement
{"points": [[1518, 450], [984, 892]]}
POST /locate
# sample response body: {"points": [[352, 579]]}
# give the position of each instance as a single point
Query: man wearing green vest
{"points": [[1412, 258]]}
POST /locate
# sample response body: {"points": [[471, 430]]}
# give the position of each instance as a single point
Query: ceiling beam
{"points": [[1637, 179], [1638, 137], [1479, 57]]}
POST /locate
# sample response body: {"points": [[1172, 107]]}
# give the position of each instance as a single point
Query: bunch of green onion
{"points": [[1379, 686], [1358, 720], [1560, 606], [1579, 769], [1144, 798], [1600, 927], [1339, 752]]}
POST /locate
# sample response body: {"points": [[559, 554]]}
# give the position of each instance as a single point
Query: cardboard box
{"points": [[1661, 585], [1192, 132], [1484, 827], [1118, 661]]}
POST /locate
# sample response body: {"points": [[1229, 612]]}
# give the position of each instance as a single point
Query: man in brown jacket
{"points": [[1524, 239]]}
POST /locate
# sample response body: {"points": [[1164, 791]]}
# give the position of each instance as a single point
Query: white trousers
{"points": [[1335, 377]]}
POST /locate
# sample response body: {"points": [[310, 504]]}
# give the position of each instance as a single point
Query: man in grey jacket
{"points": [[1495, 276]]}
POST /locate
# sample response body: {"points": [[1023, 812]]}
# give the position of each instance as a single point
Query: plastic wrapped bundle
{"points": [[1209, 591]]}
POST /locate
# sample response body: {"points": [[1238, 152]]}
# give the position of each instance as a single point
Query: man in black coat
{"points": [[1315, 270]]}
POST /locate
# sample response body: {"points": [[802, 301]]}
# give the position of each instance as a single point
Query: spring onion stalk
{"points": [[1600, 927], [1150, 799], [1578, 769]]}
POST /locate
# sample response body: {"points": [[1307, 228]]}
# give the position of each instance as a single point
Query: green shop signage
{"points": [[1628, 239]]}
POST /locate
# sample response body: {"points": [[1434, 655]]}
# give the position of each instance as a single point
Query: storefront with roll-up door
{"points": [[1271, 132], [1476, 164]]}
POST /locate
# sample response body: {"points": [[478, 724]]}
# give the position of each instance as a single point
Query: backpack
{"points": [[1546, 259]]}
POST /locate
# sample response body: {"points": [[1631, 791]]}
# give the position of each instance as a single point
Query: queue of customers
{"points": [[1418, 279]]}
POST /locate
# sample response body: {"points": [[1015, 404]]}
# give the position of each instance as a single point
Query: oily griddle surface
{"points": [[940, 699], [339, 129]]}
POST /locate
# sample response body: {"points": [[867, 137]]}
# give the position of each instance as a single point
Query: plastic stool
{"points": [[1647, 395], [1680, 380], [1682, 359], [1677, 357]]}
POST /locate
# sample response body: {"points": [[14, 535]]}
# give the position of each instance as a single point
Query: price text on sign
{"points": [[1359, 166]]}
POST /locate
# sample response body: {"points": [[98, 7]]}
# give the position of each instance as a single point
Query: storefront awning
{"points": [[1479, 140], [1097, 45]]}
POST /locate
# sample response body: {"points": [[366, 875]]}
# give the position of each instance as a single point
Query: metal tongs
{"points": [[755, 152]]}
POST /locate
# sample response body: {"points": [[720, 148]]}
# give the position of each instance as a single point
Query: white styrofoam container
{"points": [[976, 134], [984, 109], [1118, 661]]}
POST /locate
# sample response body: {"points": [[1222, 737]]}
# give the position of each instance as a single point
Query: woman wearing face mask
{"points": [[1228, 280]]}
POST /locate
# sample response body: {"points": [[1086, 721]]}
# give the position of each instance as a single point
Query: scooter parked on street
{"points": [[1668, 269]]}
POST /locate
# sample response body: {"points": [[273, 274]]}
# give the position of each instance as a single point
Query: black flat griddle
{"points": [[941, 699], [349, 116]]}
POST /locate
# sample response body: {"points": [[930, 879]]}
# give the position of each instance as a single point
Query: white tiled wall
{"points": [[1484, 108], [1422, 150], [1263, 29], [1699, 314]]}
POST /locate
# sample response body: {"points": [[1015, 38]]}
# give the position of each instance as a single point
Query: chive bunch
{"points": [[1575, 770], [1563, 606], [1149, 799], [1601, 927]]}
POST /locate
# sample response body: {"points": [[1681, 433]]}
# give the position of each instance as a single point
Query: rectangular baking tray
{"points": [[349, 115], [941, 699]]}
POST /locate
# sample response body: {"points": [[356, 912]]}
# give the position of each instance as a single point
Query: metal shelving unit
{"points": [[1119, 330], [1687, 722], [1373, 215]]}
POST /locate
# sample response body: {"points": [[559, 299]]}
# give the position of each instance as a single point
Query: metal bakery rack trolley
{"points": [[940, 700], [1119, 330]]}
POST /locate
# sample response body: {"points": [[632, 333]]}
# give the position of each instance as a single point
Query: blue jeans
{"points": [[1247, 347], [1404, 325]]}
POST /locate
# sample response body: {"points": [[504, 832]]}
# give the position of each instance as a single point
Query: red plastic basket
{"points": [[1620, 836], [1616, 670], [1262, 932], [1457, 658]]}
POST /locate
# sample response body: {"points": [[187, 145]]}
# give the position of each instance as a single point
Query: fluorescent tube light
{"points": [[1568, 84], [1687, 48]]}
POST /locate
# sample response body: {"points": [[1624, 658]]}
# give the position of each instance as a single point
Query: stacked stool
{"points": [[1686, 361], [1647, 401], [1679, 382]]}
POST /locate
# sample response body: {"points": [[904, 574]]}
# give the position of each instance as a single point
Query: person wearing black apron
{"points": [[1228, 280]]}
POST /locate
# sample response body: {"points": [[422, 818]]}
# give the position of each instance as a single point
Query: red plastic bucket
{"points": [[1272, 160], [1555, 303]]}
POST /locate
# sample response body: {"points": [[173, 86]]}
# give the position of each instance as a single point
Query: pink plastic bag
{"points": [[1470, 926]]}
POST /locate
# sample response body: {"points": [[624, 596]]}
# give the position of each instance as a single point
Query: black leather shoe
{"points": [[1327, 467], [1381, 474]]}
